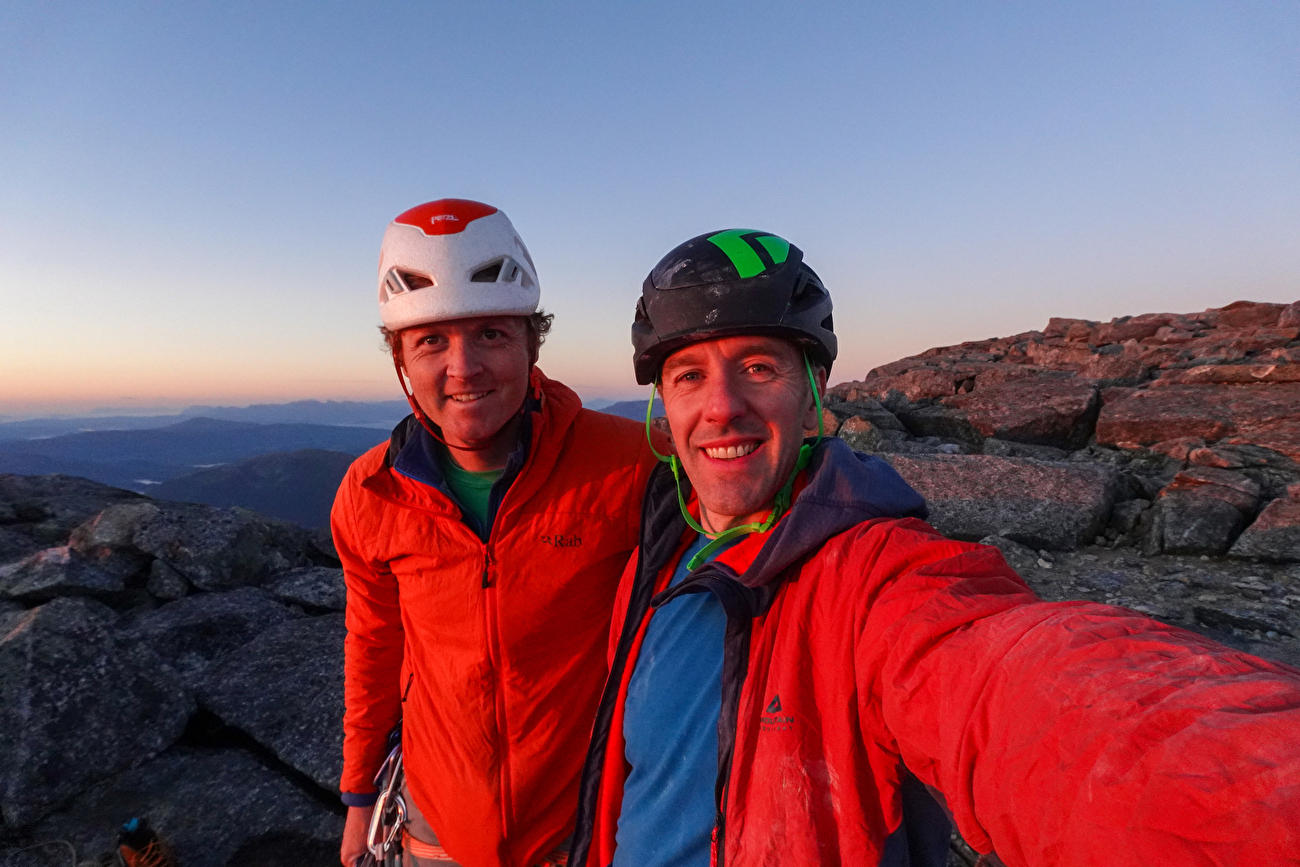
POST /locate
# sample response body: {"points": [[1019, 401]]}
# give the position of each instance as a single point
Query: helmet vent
{"points": [[806, 294], [415, 281], [488, 273], [465, 256], [393, 284], [400, 282]]}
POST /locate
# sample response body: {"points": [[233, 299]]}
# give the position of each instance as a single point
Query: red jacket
{"points": [[867, 655], [492, 654]]}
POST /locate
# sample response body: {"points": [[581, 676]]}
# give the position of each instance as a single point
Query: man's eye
{"points": [[491, 334]]}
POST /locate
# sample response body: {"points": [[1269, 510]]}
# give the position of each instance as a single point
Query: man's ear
{"points": [[811, 417]]}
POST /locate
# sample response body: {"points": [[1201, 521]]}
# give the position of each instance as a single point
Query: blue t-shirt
{"points": [[670, 731]]}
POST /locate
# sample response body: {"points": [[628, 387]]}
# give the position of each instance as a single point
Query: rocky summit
{"points": [[1151, 461], [173, 662], [183, 663]]}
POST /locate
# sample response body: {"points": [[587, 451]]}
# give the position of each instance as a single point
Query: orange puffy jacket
{"points": [[492, 654]]}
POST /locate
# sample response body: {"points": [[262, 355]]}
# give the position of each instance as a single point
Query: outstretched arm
{"points": [[1072, 733]]}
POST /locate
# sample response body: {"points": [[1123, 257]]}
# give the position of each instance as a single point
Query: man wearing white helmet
{"points": [[481, 547]]}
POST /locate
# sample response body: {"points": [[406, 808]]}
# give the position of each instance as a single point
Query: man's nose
{"points": [[462, 359], [724, 401]]}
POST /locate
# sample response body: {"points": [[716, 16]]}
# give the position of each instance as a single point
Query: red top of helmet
{"points": [[445, 216]]}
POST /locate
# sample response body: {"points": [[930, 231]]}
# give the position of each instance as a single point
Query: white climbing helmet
{"points": [[453, 259]]}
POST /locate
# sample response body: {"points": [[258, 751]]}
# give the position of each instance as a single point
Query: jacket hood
{"points": [[844, 488]]}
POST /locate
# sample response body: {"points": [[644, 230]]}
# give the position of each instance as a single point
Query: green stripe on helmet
{"points": [[739, 252], [741, 247], [777, 248]]}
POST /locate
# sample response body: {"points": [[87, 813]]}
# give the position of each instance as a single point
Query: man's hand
{"points": [[354, 835]]}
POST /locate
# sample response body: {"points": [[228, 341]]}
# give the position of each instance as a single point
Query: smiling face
{"points": [[738, 407], [470, 377]]}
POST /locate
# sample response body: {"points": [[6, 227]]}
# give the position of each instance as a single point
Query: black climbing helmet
{"points": [[735, 281]]}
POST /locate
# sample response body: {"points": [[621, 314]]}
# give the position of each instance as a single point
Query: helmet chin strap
{"points": [[428, 426], [780, 503]]}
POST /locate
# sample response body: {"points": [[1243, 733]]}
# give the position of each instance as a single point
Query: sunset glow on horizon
{"points": [[193, 196]]}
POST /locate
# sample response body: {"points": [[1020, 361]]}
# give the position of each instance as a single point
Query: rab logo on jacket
{"points": [[772, 720], [561, 541]]}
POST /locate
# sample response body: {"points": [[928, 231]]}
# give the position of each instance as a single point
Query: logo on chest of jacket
{"points": [[775, 718], [559, 540]]}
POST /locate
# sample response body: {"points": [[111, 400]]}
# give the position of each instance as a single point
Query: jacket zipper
{"points": [[490, 629], [716, 846], [718, 840], [490, 598], [493, 647]]}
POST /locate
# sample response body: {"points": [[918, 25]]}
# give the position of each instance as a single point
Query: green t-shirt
{"points": [[470, 489]]}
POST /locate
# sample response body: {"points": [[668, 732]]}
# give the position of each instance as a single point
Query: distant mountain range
{"points": [[374, 414], [269, 458], [296, 486], [377, 414], [633, 409], [138, 460]]}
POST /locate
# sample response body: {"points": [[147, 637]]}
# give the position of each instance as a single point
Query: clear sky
{"points": [[192, 195]]}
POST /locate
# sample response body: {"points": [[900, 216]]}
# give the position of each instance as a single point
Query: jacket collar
{"points": [[841, 489], [416, 455], [554, 407]]}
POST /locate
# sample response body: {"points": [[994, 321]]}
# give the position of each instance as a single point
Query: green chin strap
{"points": [[780, 504]]}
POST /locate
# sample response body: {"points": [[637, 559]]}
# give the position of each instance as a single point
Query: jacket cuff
{"points": [[355, 799]]}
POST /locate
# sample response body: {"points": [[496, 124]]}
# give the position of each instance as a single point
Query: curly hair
{"points": [[538, 326]]}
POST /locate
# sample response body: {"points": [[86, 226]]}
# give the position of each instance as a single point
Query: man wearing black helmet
{"points": [[802, 671]]}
